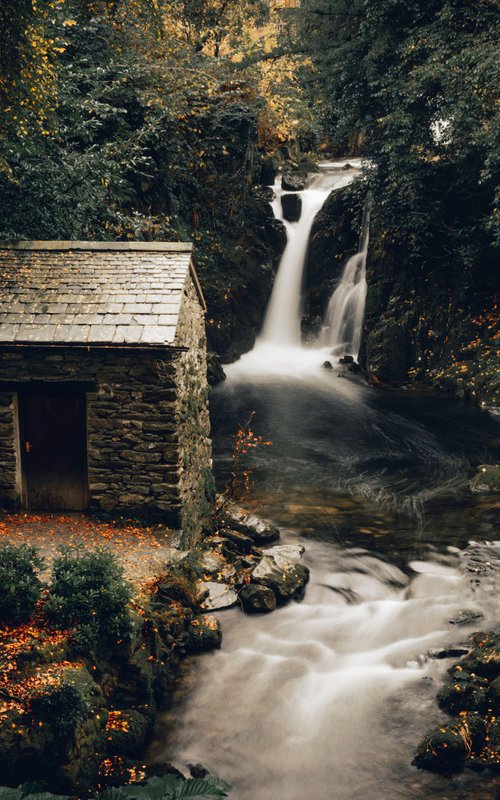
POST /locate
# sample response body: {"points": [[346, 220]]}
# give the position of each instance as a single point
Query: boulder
{"points": [[283, 575], [204, 634], [292, 207], [293, 183], [447, 652], [484, 659], [292, 551], [260, 531], [486, 480], [446, 748], [220, 596], [466, 617], [256, 598], [464, 693], [327, 365], [346, 360], [239, 542]]}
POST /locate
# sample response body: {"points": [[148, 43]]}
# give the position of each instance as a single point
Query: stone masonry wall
{"points": [[196, 483]]}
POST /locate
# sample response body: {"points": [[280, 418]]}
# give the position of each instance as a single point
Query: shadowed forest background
{"points": [[148, 119]]}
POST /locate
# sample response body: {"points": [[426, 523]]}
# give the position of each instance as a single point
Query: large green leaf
{"points": [[154, 789], [6, 793], [201, 789]]}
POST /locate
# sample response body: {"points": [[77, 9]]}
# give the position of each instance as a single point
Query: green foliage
{"points": [[89, 594], [415, 85], [20, 586], [169, 787], [63, 705]]}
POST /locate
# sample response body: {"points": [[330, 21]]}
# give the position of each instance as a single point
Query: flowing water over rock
{"points": [[327, 699], [343, 326]]}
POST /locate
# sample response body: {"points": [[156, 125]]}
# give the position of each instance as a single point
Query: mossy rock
{"points": [[447, 747], [486, 480], [484, 659], [204, 634], [127, 733], [464, 693]]}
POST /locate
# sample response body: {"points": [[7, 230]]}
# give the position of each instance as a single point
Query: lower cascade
{"points": [[343, 325]]}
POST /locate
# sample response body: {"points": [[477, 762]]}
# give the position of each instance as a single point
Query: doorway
{"points": [[52, 427]]}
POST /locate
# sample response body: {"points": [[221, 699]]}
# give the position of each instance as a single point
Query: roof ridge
{"points": [[169, 247]]}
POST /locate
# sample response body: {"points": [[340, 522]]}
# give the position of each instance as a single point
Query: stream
{"points": [[327, 699]]}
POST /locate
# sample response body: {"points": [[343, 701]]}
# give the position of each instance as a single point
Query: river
{"points": [[327, 699]]}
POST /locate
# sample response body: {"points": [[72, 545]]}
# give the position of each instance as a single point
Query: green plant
{"points": [[170, 787], [20, 586], [89, 594]]}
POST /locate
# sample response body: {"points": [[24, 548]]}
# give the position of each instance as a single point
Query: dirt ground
{"points": [[140, 549]]}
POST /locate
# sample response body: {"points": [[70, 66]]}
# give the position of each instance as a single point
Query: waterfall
{"points": [[284, 312], [344, 316]]}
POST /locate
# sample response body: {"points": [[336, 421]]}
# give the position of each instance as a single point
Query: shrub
{"points": [[89, 594], [20, 586]]}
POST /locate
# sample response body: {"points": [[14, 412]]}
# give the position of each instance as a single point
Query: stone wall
{"points": [[197, 487], [147, 422]]}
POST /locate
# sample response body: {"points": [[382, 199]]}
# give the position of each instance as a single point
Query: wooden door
{"points": [[53, 450]]}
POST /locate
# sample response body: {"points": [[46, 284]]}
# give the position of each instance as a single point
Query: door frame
{"points": [[57, 389]]}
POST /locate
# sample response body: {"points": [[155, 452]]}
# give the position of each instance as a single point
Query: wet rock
{"points": [[284, 576], [267, 175], [446, 748], [291, 205], [197, 771], [448, 652], [327, 365], [204, 634], [346, 360], [239, 542], [220, 596], [464, 693], [161, 768], [256, 598], [129, 737], [292, 551], [484, 659], [260, 531], [354, 367], [466, 617], [486, 480], [293, 182], [215, 370]]}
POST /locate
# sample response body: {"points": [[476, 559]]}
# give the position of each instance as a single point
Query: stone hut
{"points": [[103, 388]]}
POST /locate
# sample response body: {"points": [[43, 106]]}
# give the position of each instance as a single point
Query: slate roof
{"points": [[98, 293]]}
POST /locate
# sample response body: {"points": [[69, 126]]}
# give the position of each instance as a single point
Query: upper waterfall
{"points": [[284, 312]]}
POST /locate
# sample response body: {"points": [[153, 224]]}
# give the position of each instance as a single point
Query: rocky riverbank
{"points": [[78, 716]]}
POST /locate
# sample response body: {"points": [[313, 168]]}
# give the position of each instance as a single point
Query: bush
{"points": [[90, 595], [20, 586]]}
